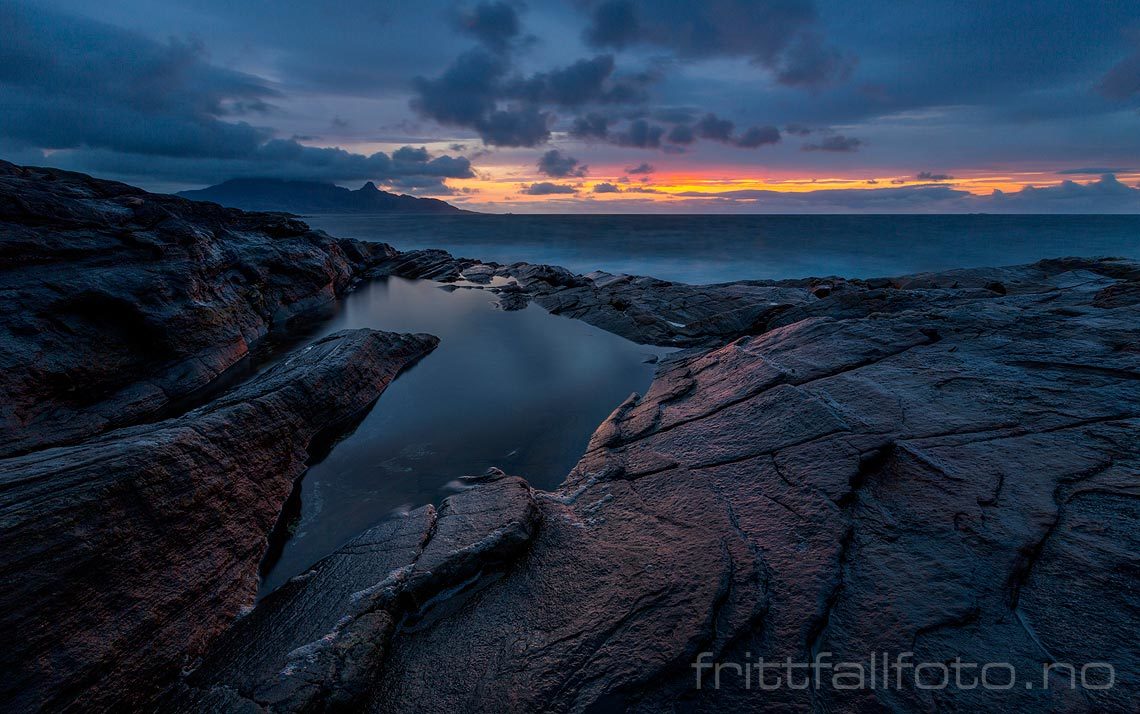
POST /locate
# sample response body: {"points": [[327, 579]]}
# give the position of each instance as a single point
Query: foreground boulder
{"points": [[317, 642], [123, 556], [115, 302], [937, 467]]}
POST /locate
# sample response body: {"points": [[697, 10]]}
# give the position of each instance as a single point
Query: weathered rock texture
{"points": [[945, 465], [318, 642], [114, 301], [124, 555]]}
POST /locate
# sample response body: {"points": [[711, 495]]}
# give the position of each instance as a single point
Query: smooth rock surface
{"points": [[123, 556], [115, 302]]}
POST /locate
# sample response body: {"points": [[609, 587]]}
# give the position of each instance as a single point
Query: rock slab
{"points": [[123, 556], [115, 302]]}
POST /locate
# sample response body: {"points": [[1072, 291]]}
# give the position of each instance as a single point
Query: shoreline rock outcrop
{"points": [[125, 555], [115, 302], [928, 464], [315, 643]]}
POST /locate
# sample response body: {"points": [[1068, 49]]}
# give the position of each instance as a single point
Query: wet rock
{"points": [[949, 479], [645, 310], [114, 302], [317, 643], [947, 476], [125, 555]]}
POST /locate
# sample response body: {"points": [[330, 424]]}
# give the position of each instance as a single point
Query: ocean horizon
{"points": [[701, 249]]}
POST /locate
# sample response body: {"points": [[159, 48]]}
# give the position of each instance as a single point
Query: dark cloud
{"points": [[470, 92], [1094, 171], [682, 134], [808, 62], [558, 165], [613, 24], [781, 35], [408, 154], [642, 168], [640, 134], [590, 126], [517, 126], [1107, 195], [757, 136], [606, 188], [111, 101], [798, 129], [675, 115], [279, 158], [836, 143], [713, 127], [545, 188], [1123, 80], [71, 83], [930, 176], [495, 24], [465, 94], [583, 82]]}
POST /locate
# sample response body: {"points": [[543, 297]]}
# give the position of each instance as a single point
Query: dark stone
{"points": [[936, 470], [123, 556], [318, 642], [116, 302]]}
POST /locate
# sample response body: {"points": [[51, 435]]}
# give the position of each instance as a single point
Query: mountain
{"points": [[266, 194]]}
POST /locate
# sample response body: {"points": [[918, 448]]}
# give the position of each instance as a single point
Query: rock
{"points": [[954, 480], [316, 643], [125, 555], [645, 310], [115, 303], [946, 471]]}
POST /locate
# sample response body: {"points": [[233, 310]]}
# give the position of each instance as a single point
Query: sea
{"points": [[711, 249]]}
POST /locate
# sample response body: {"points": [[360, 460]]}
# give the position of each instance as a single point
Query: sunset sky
{"points": [[600, 106]]}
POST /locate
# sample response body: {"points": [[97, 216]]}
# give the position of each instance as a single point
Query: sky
{"points": [[602, 106]]}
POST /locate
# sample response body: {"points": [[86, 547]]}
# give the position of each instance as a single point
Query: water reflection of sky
{"points": [[520, 390]]}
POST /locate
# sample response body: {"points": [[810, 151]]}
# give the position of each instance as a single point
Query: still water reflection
{"points": [[519, 390]]}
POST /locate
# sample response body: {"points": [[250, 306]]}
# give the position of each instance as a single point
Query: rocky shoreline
{"points": [[944, 464]]}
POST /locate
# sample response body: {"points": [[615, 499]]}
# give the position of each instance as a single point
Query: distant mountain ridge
{"points": [[267, 194]]}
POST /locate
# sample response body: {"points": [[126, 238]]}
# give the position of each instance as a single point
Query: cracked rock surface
{"points": [[124, 555], [318, 641], [942, 464]]}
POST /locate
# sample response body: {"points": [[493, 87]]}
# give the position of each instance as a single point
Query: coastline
{"points": [[941, 442]]}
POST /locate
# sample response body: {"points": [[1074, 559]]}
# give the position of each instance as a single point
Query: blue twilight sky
{"points": [[593, 105]]}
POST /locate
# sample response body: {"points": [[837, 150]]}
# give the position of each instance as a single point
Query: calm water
{"points": [[520, 390], [705, 249]]}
